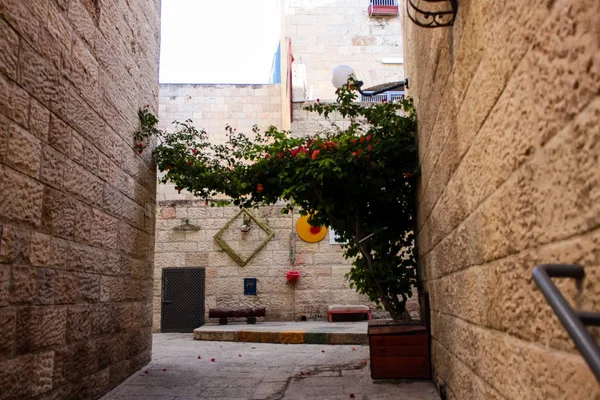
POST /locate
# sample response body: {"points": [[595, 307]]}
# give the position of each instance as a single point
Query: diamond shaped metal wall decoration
{"points": [[231, 233]]}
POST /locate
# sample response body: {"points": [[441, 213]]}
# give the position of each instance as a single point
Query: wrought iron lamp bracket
{"points": [[433, 17]]}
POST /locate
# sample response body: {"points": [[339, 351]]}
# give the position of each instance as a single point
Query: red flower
{"points": [[384, 101], [280, 155], [140, 151], [318, 100], [239, 355], [369, 138], [362, 139], [140, 145], [212, 360], [353, 348], [354, 141], [301, 373], [359, 152], [351, 395], [146, 371], [267, 155], [308, 373], [199, 356], [194, 151], [164, 369], [369, 147], [259, 188], [294, 152], [354, 154], [322, 351], [315, 154], [169, 167]]}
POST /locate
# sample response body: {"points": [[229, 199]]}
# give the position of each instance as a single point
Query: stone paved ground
{"points": [[264, 371]]}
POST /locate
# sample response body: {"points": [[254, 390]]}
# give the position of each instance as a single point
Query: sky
{"points": [[218, 41]]}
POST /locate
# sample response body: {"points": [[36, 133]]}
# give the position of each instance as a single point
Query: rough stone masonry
{"points": [[76, 221], [509, 137]]}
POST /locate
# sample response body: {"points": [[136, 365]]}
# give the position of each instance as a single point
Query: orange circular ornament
{"points": [[308, 233]]}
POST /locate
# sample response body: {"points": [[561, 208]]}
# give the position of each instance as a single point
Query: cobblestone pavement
{"points": [[260, 371]]}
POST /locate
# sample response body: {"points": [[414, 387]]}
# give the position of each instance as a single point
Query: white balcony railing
{"points": [[384, 3], [378, 98]]}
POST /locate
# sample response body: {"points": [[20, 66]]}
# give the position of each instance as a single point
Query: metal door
{"points": [[182, 308]]}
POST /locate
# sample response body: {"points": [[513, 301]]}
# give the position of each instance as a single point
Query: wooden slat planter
{"points": [[399, 351]]}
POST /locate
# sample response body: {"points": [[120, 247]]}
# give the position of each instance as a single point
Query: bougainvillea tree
{"points": [[357, 176]]}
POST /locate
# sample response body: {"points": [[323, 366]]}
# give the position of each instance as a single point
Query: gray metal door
{"points": [[182, 308]]}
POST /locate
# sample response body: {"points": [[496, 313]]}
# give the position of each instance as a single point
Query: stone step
{"points": [[311, 332]]}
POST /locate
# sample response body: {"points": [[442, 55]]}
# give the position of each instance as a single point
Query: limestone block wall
{"points": [[212, 107], [329, 33], [76, 215], [509, 138], [322, 266], [309, 123]]}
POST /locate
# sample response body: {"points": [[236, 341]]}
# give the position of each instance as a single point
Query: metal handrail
{"points": [[574, 322]]}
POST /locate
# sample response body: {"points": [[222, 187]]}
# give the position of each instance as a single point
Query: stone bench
{"points": [[249, 313], [347, 309]]}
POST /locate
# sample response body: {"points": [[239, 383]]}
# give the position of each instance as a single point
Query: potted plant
{"points": [[360, 180]]}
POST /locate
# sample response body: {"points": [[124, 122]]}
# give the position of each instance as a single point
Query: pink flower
{"points": [[369, 138], [369, 147]]}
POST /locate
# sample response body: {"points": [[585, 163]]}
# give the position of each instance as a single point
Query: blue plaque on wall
{"points": [[250, 286]]}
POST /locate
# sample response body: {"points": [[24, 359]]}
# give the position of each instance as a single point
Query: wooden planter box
{"points": [[399, 350]]}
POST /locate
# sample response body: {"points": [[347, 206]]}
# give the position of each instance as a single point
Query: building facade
{"points": [[316, 37], [76, 199], [508, 107]]}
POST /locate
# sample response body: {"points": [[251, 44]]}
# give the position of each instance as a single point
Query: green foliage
{"points": [[360, 180]]}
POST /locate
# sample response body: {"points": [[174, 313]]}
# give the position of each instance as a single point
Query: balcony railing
{"points": [[379, 98], [383, 7]]}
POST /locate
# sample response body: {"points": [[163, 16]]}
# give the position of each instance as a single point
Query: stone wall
{"points": [[329, 33], [212, 107], [322, 266], [509, 137], [76, 215]]}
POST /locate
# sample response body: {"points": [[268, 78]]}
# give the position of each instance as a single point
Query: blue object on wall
{"points": [[250, 286], [276, 66]]}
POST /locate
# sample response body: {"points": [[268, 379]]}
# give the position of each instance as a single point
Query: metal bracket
{"points": [[435, 15]]}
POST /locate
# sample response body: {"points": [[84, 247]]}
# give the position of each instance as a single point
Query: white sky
{"points": [[218, 41]]}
